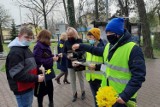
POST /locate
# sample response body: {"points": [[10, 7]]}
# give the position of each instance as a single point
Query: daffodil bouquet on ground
{"points": [[106, 96]]}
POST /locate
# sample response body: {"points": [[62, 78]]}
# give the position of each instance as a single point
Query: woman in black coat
{"points": [[71, 56]]}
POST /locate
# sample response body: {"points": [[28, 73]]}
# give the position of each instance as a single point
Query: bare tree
{"points": [[4, 21], [43, 7], [65, 8], [35, 18], [154, 20], [147, 46], [79, 13], [52, 24]]}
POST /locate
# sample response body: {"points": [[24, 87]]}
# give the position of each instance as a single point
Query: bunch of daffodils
{"points": [[106, 96]]}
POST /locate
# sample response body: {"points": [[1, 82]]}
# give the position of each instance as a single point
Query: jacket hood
{"points": [[15, 42]]}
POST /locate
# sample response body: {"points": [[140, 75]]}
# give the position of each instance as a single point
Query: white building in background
{"points": [[60, 28]]}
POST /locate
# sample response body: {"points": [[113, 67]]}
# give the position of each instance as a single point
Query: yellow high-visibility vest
{"points": [[92, 59], [117, 69]]}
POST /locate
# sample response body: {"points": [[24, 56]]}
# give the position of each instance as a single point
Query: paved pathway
{"points": [[149, 94]]}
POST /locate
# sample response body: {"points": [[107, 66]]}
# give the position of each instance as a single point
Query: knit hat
{"points": [[96, 32], [116, 25]]}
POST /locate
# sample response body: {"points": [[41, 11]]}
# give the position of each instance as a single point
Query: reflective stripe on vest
{"points": [[117, 70], [122, 81], [95, 72], [92, 59]]}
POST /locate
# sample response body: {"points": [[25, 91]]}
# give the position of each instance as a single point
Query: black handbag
{"points": [[79, 68]]}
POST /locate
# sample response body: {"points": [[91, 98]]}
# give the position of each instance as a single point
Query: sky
{"points": [[14, 10]]}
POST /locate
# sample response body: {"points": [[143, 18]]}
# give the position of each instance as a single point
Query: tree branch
{"points": [[54, 4]]}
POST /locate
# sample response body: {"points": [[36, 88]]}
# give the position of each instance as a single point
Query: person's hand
{"points": [[119, 100], [42, 68], [75, 46], [40, 78], [55, 58], [75, 64], [70, 55], [91, 66]]}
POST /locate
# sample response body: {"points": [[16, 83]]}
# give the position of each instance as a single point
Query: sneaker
{"points": [[83, 96], [74, 97]]}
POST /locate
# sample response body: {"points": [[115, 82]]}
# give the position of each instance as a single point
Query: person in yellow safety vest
{"points": [[92, 77], [124, 62]]}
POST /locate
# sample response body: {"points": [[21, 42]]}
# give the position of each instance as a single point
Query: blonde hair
{"points": [[63, 36], [72, 31], [44, 36]]}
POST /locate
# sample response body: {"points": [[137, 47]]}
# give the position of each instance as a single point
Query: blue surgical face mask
{"points": [[25, 42], [92, 42]]}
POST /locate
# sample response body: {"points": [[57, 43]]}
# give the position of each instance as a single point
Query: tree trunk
{"points": [[65, 8], [147, 45], [96, 10], [71, 13], [45, 20], [1, 41], [156, 42], [44, 15], [35, 27]]}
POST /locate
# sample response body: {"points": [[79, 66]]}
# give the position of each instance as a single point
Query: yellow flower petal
{"points": [[106, 96]]}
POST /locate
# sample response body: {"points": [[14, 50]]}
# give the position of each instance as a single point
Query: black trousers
{"points": [[95, 85], [45, 90]]}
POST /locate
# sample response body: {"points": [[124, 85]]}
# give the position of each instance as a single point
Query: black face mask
{"points": [[71, 39], [112, 39]]}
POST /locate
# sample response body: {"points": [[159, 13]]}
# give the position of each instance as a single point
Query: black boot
{"points": [[58, 77], [66, 81], [65, 78], [74, 97], [83, 96], [51, 105]]}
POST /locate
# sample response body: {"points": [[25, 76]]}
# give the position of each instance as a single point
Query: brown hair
{"points": [[44, 36], [25, 30]]}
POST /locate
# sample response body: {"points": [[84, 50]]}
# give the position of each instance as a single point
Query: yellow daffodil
{"points": [[61, 45], [48, 71], [106, 96]]}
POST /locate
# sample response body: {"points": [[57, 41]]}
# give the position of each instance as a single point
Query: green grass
{"points": [[2, 68]]}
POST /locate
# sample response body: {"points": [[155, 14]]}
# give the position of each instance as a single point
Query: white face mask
{"points": [[25, 42], [92, 42]]}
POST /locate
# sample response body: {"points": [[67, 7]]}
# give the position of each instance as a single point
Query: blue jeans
{"points": [[25, 100]]}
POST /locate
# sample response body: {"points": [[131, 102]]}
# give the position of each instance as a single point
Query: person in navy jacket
{"points": [[117, 37], [61, 64]]}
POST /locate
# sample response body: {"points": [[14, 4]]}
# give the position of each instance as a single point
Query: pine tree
{"points": [[14, 31]]}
